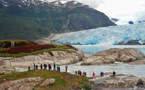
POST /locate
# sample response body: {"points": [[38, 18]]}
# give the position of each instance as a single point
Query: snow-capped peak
{"points": [[20, 3]]}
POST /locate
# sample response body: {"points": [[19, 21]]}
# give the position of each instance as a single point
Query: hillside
{"points": [[36, 80], [32, 19]]}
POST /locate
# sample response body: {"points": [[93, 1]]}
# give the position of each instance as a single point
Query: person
{"points": [[41, 66], [66, 67], [45, 66], [76, 72], [102, 74], [29, 68], [58, 68], [84, 74], [34, 66], [79, 72], [54, 66], [114, 73], [93, 75], [49, 66]]}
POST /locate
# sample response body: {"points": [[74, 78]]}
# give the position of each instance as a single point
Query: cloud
{"points": [[125, 10]]}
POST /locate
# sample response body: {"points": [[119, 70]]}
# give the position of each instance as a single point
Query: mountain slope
{"points": [[32, 19], [103, 36]]}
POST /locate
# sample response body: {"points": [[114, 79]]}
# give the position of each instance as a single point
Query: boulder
{"points": [[131, 22], [21, 84], [114, 55], [59, 57], [119, 81], [48, 82]]}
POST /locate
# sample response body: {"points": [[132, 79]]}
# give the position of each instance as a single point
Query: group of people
{"points": [[102, 74], [47, 66], [80, 73], [54, 67]]}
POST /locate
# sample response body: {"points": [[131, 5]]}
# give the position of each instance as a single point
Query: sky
{"points": [[124, 10]]}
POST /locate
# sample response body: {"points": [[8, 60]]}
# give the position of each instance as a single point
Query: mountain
{"points": [[33, 19], [112, 35]]}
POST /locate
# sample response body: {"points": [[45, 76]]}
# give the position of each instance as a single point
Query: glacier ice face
{"points": [[106, 35]]}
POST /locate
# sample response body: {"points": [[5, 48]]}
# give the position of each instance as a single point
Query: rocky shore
{"points": [[127, 55], [58, 57], [118, 82]]}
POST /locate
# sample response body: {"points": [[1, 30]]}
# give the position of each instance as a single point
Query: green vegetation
{"points": [[64, 81], [32, 23], [85, 85]]}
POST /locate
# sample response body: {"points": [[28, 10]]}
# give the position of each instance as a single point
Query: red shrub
{"points": [[27, 48]]}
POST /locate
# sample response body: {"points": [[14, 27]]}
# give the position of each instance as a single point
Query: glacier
{"points": [[111, 35]]}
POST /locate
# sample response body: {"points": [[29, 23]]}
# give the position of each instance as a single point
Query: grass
{"points": [[64, 81]]}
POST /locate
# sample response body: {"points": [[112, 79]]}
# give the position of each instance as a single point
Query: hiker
{"points": [[41, 66], [34, 66], [102, 74], [114, 73], [54, 66], [45, 66], [93, 75], [49, 67], [66, 67], [79, 72], [76, 72], [58, 68], [85, 74], [29, 68]]}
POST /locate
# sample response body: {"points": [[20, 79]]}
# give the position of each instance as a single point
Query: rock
{"points": [[114, 20], [140, 83], [130, 42], [131, 22], [137, 62], [59, 57], [21, 84], [48, 82], [119, 81], [114, 55]]}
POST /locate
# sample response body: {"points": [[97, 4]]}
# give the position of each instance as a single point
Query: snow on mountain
{"points": [[104, 36], [120, 9], [6, 3]]}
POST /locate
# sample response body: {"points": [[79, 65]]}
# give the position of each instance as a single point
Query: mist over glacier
{"points": [[105, 36]]}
